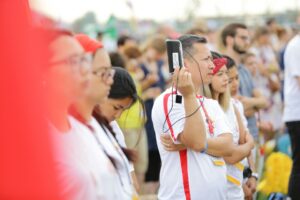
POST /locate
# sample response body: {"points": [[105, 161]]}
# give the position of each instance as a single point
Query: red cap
{"points": [[89, 44], [219, 63]]}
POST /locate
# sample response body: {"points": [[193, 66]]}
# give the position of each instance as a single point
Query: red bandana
{"points": [[219, 62], [89, 44]]}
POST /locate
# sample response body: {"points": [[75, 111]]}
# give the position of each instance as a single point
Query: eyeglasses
{"points": [[80, 61], [104, 73]]}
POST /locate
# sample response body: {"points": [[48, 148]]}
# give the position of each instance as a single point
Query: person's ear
{"points": [[229, 40]]}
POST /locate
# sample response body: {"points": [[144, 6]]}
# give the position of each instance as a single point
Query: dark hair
{"points": [[122, 87], [187, 42], [129, 153], [215, 55], [122, 40], [117, 59], [230, 30], [230, 62]]}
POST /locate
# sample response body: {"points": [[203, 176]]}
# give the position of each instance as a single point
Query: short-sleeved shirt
{"points": [[240, 108], [78, 157], [246, 89], [234, 171], [120, 138], [188, 174], [291, 85], [122, 165]]}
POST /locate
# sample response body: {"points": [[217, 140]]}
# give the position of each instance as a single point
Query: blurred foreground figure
{"points": [[26, 168]]}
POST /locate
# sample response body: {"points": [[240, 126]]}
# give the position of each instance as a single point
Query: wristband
{"points": [[205, 148], [255, 175]]}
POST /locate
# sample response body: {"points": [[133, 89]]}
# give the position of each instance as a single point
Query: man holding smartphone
{"points": [[198, 124]]}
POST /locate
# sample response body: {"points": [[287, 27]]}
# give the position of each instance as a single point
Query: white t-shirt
{"points": [[112, 148], [291, 85], [240, 108], [83, 169], [121, 139], [188, 173], [234, 172]]}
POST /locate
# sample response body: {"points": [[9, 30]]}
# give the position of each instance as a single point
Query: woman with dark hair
{"points": [[122, 96], [249, 186]]}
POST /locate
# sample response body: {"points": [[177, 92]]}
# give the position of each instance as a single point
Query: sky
{"points": [[159, 10]]}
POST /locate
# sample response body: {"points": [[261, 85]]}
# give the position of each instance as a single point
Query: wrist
{"points": [[205, 148], [254, 175], [189, 96]]}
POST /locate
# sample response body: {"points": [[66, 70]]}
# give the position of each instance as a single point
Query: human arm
{"points": [[252, 181], [240, 151], [135, 181], [257, 101], [193, 135], [150, 79], [215, 146], [246, 142]]}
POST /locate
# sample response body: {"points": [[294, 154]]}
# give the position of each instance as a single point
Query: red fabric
{"points": [[219, 63], [185, 173], [182, 153], [166, 97], [90, 45]]}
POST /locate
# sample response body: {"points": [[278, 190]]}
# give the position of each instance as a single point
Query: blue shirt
{"points": [[246, 89], [152, 146]]}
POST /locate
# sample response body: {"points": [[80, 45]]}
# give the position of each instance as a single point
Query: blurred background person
{"points": [[291, 113]]}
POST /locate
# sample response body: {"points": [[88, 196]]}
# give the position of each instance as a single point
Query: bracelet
{"points": [[205, 148], [255, 175]]}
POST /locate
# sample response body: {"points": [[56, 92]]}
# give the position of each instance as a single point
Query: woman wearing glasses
{"points": [[64, 79], [117, 183]]}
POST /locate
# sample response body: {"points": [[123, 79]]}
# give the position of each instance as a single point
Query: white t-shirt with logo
{"points": [[291, 85], [188, 174]]}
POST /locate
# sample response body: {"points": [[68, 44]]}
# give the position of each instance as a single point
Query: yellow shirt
{"points": [[133, 118]]}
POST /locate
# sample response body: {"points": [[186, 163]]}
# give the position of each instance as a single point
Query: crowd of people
{"points": [[122, 126]]}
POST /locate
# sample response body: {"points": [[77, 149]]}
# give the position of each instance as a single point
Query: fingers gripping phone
{"points": [[175, 56]]}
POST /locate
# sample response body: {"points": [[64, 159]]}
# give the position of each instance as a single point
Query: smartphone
{"points": [[174, 51]]}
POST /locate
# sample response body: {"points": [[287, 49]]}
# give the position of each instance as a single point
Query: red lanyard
{"points": [[207, 119]]}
